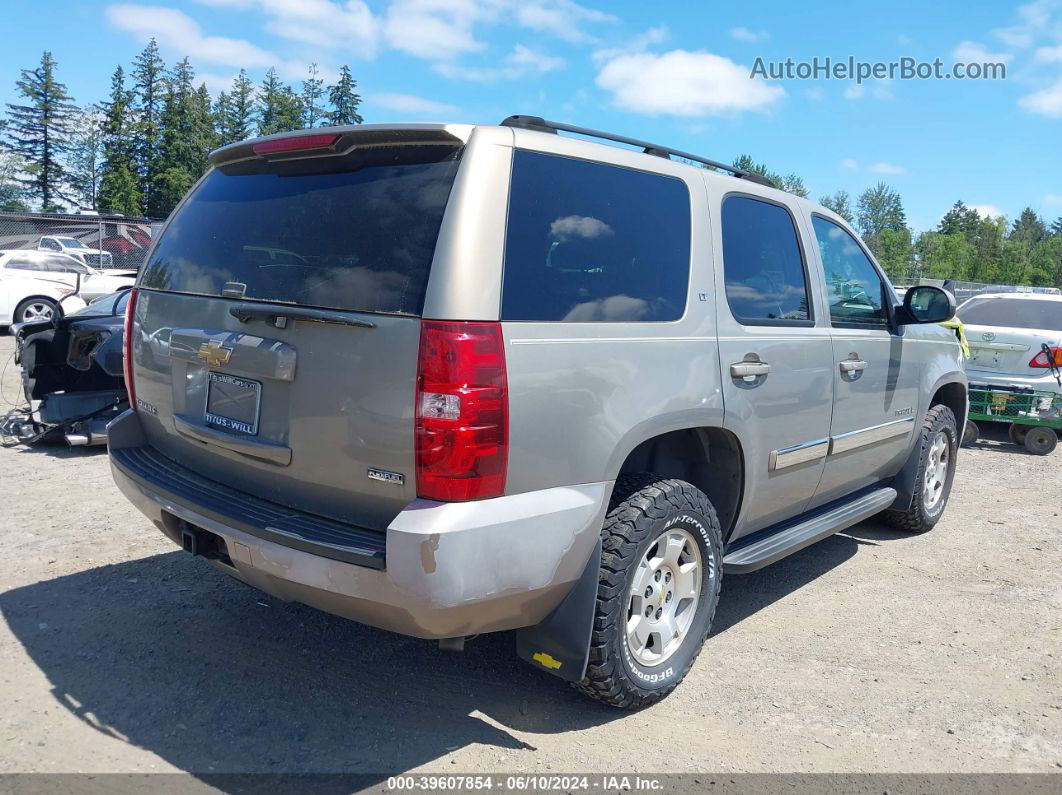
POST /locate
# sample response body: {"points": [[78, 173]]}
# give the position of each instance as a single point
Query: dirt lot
{"points": [[872, 651]]}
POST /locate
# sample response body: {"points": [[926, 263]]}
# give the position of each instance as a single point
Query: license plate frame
{"points": [[224, 390]]}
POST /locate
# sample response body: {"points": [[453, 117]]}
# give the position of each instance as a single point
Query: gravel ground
{"points": [[869, 652]]}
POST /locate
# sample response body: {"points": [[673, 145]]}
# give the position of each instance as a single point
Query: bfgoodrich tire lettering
{"points": [[644, 509], [925, 511]]}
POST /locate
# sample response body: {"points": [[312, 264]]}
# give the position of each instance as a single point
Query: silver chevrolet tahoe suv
{"points": [[451, 379]]}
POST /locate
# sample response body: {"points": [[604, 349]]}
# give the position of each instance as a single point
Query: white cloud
{"points": [[855, 91], [179, 32], [903, 40], [887, 168], [742, 33], [1049, 54], [579, 226], [436, 29], [408, 103], [986, 210], [1036, 18], [849, 163], [683, 83], [562, 18], [521, 62], [349, 24], [975, 52], [1046, 102], [441, 30], [815, 94], [1054, 199], [640, 43]]}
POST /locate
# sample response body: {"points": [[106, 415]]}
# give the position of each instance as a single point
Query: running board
{"points": [[790, 537]]}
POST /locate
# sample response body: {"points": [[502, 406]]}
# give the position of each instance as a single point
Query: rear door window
{"points": [[766, 283], [593, 242], [356, 232]]}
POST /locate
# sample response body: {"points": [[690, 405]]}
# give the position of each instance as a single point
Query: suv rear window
{"points": [[1030, 313], [593, 242], [355, 233]]}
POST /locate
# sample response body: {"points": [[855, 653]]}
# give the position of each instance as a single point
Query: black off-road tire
{"points": [[918, 518], [1017, 433], [642, 507]]}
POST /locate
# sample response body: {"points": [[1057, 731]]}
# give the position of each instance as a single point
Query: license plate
{"points": [[232, 403], [985, 359]]}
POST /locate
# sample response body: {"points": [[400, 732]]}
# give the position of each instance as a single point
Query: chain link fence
{"points": [[963, 290], [103, 241]]}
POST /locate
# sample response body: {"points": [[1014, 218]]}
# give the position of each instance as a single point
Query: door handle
{"points": [[749, 371], [853, 365]]}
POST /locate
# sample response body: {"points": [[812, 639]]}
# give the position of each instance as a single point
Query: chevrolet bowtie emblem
{"points": [[214, 353]]}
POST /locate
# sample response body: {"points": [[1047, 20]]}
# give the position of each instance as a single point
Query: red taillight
{"points": [[295, 143], [462, 425], [127, 348], [1052, 356]]}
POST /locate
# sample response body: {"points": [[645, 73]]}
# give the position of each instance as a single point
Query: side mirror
{"points": [[927, 304]]}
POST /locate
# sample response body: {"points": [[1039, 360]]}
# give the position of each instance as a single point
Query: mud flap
{"points": [[560, 644]]}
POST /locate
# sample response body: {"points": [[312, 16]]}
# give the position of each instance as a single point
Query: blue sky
{"points": [[671, 72]]}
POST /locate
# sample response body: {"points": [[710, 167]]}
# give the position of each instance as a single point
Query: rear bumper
{"points": [[1043, 382], [447, 569]]}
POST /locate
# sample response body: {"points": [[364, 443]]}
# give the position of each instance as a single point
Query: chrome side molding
{"points": [[798, 454], [843, 442]]}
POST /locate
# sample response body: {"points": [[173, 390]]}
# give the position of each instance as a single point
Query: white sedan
{"points": [[1015, 340], [89, 282]]}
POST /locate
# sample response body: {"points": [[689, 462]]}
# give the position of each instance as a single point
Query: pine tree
{"points": [[1028, 229], [85, 157], [312, 92], [746, 163], [791, 183], [279, 108], [221, 113], [344, 100], [1056, 227], [119, 191], [186, 137], [841, 203], [235, 116], [38, 132], [960, 219], [149, 85]]}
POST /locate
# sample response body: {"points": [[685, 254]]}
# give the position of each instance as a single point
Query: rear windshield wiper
{"points": [[278, 317]]}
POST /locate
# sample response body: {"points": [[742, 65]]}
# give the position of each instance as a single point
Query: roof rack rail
{"points": [[539, 124]]}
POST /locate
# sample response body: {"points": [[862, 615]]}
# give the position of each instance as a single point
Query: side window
{"points": [[64, 265], [593, 242], [18, 263], [855, 292], [50, 245], [762, 264]]}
